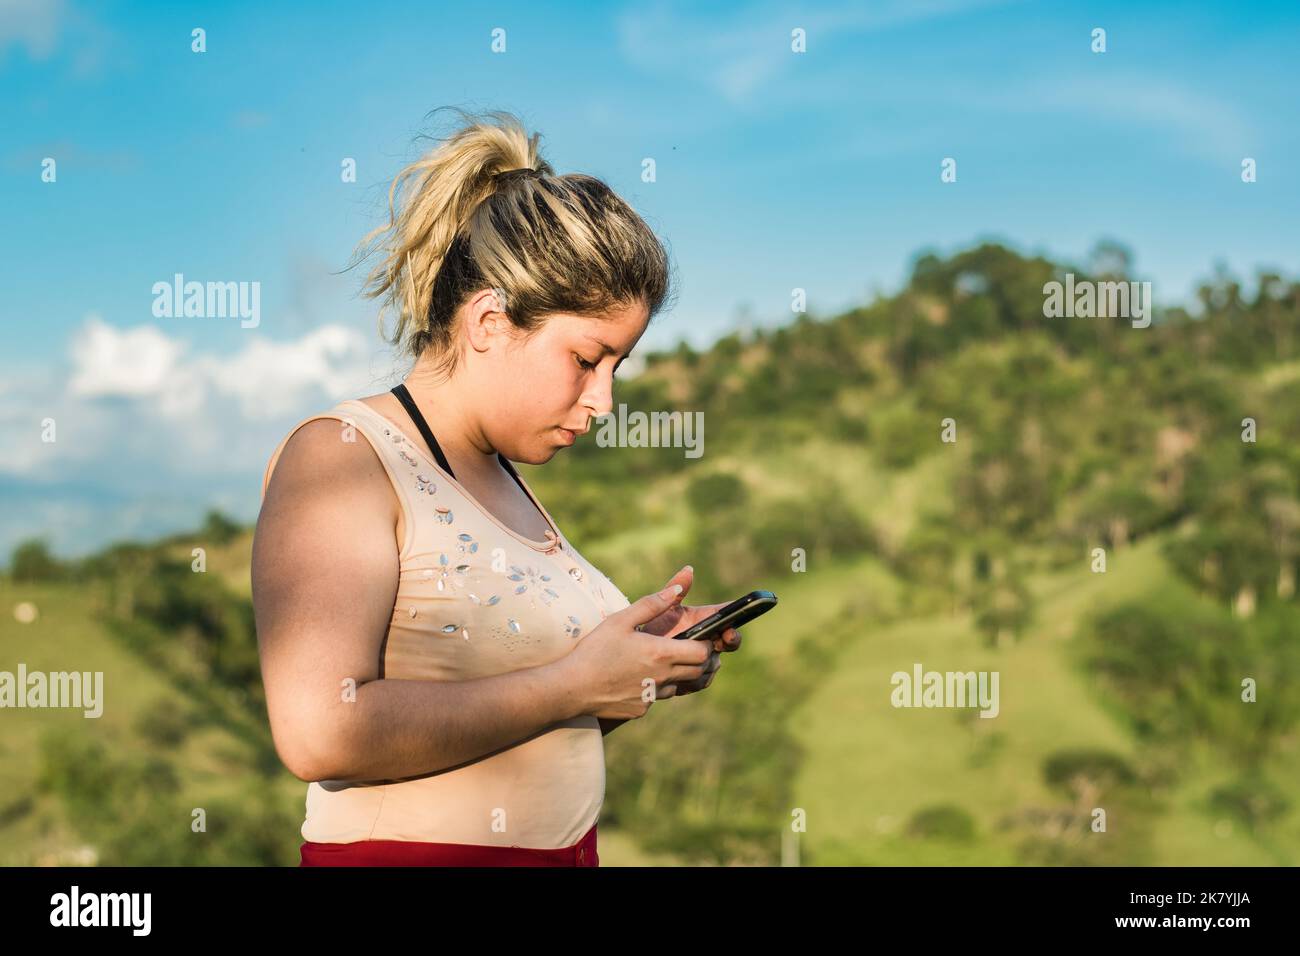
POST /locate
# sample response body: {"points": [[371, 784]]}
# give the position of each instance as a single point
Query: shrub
{"points": [[942, 822]]}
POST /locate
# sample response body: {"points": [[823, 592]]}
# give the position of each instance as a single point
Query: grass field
{"points": [[867, 769]]}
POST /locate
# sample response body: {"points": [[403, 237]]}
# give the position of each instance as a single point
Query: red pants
{"points": [[408, 853]]}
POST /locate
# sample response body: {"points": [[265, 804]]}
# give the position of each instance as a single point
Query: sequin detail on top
{"points": [[474, 599], [444, 513]]}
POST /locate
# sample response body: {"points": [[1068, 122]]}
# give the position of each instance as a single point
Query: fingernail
{"points": [[688, 568], [673, 591]]}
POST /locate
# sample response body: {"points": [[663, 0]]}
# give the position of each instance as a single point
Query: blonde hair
{"points": [[547, 243]]}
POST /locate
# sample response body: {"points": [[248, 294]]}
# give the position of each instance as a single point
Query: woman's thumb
{"points": [[652, 605]]}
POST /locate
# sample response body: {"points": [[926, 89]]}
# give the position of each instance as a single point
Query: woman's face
{"points": [[559, 378]]}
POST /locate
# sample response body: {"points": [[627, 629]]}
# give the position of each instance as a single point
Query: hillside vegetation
{"points": [[1107, 532]]}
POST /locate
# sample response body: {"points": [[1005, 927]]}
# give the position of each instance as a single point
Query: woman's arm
{"points": [[325, 573]]}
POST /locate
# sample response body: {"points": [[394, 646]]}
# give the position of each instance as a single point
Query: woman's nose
{"points": [[601, 401]]}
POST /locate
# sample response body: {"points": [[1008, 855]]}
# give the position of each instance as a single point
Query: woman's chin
{"points": [[539, 456]]}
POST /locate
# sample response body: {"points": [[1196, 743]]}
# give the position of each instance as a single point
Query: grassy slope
{"points": [[870, 766], [210, 760]]}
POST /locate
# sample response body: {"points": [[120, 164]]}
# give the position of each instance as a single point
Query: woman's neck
{"points": [[445, 405]]}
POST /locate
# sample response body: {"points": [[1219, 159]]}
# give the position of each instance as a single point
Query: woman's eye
{"points": [[584, 363]]}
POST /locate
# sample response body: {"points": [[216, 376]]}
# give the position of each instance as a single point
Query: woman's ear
{"points": [[485, 317]]}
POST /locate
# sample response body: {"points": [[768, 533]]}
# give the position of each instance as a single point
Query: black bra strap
{"points": [[404, 396]]}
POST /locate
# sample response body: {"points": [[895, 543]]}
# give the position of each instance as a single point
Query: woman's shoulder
{"points": [[325, 444], [382, 407]]}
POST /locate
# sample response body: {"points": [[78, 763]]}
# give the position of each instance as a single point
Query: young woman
{"points": [[440, 663]]}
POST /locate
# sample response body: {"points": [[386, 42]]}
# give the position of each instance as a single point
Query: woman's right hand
{"points": [[617, 672]]}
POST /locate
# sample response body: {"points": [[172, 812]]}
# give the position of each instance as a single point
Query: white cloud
{"points": [[267, 378], [34, 24], [1194, 121], [141, 407], [740, 51], [52, 29], [151, 428], [1201, 123], [107, 361], [271, 379]]}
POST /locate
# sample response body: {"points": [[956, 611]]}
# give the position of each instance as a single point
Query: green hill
{"points": [[929, 479]]}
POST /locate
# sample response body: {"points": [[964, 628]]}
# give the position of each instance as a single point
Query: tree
{"points": [[1110, 259], [32, 562], [219, 529]]}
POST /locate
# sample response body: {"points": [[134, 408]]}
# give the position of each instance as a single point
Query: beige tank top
{"points": [[474, 599]]}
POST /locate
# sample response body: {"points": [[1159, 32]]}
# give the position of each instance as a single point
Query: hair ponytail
{"points": [[549, 243]]}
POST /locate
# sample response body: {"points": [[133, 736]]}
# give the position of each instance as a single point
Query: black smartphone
{"points": [[735, 614]]}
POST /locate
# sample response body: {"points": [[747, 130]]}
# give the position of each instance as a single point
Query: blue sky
{"points": [[775, 170]]}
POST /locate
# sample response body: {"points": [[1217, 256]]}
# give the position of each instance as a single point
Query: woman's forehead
{"points": [[618, 328]]}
